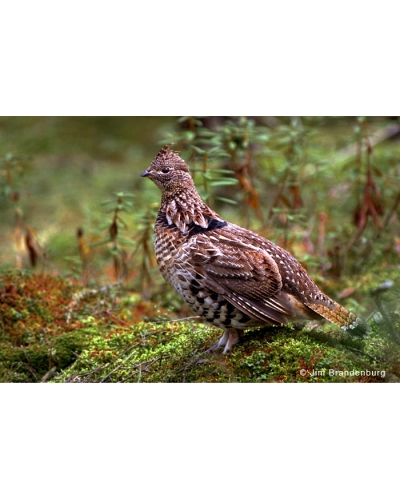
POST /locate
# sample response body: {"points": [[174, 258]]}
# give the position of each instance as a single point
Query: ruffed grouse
{"points": [[232, 277]]}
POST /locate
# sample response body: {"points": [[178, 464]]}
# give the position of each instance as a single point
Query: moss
{"points": [[32, 306], [150, 352], [177, 352], [77, 335], [32, 363], [45, 321]]}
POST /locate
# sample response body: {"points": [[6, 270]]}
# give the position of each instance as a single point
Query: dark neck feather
{"points": [[186, 209]]}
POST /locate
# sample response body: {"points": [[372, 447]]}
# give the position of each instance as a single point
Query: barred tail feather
{"points": [[340, 316]]}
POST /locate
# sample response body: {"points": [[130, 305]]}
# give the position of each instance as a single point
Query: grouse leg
{"points": [[228, 340]]}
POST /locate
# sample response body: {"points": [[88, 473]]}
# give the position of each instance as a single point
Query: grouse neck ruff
{"points": [[228, 275]]}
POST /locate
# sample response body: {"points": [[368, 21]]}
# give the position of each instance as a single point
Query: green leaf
{"points": [[198, 150], [121, 194], [226, 200], [215, 150], [224, 182], [126, 241], [223, 154], [99, 243], [222, 171]]}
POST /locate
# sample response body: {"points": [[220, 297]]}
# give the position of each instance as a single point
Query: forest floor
{"points": [[52, 330]]}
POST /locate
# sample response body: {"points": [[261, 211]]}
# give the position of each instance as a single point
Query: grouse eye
{"points": [[165, 170]]}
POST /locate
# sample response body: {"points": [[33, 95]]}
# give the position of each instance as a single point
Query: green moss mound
{"points": [[39, 362], [178, 352], [53, 330]]}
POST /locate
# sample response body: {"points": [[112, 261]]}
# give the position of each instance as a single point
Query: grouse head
{"points": [[169, 172]]}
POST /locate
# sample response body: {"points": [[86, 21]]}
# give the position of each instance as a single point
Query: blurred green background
{"points": [[326, 188], [72, 165]]}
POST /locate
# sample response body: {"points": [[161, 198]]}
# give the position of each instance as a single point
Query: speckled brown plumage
{"points": [[232, 277]]}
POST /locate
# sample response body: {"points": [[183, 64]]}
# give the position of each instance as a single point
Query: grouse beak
{"points": [[145, 173]]}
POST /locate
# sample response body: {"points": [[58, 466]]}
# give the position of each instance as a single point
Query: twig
{"points": [[48, 375], [116, 368], [362, 353], [381, 135], [376, 293], [372, 241], [387, 319], [140, 370], [77, 297], [174, 320]]}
